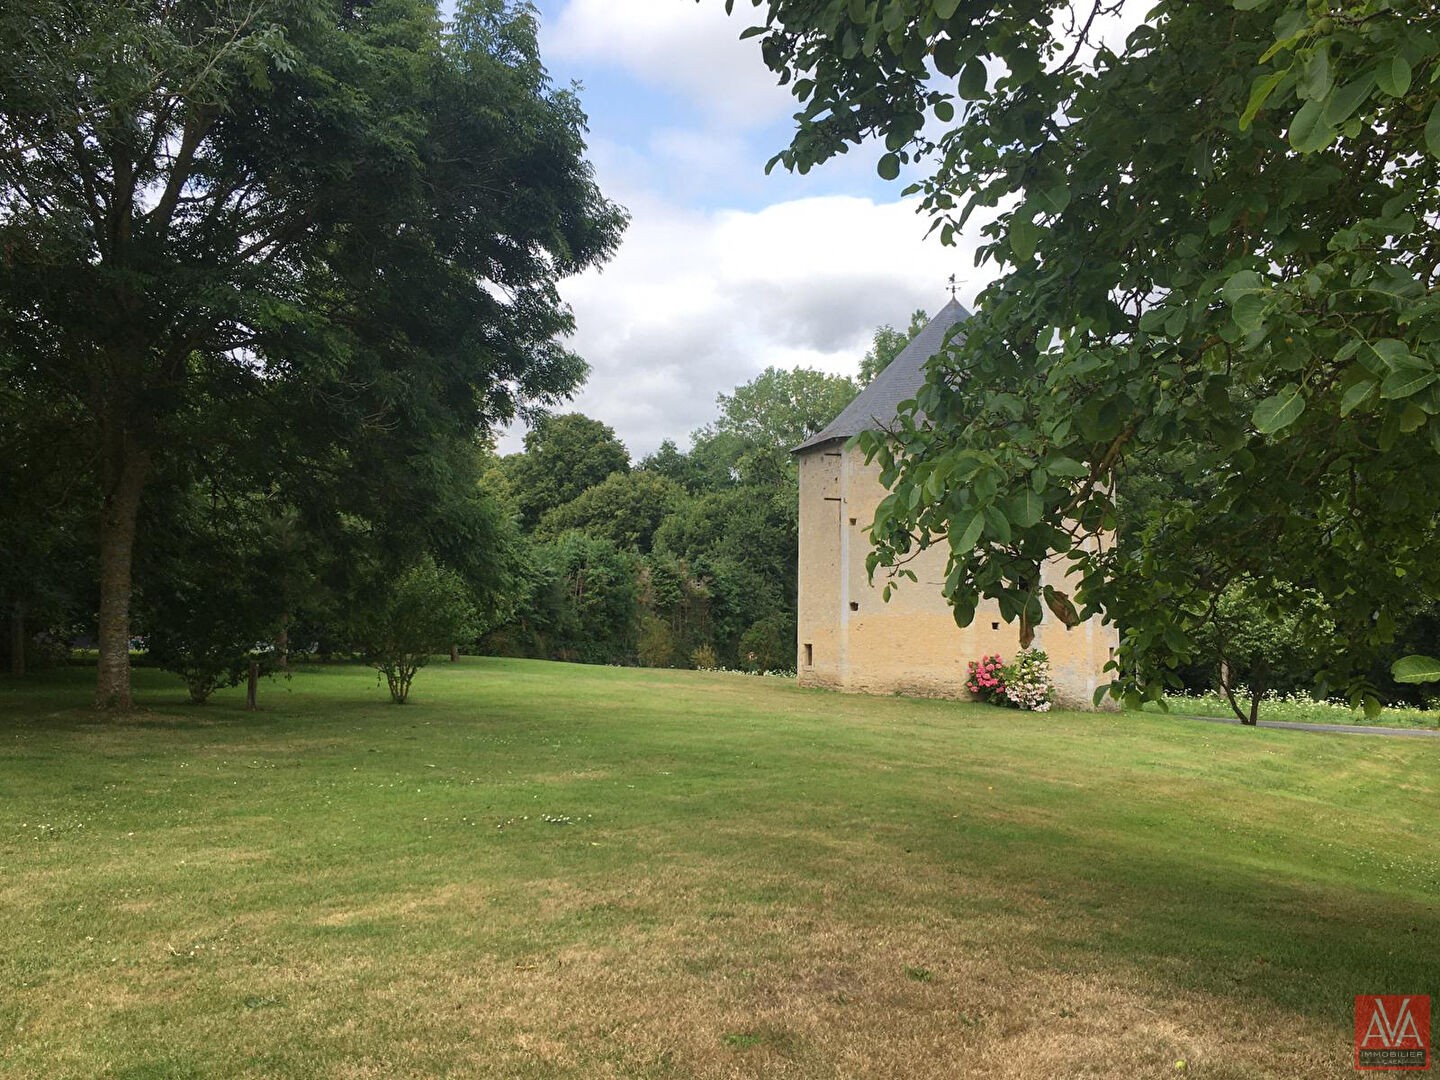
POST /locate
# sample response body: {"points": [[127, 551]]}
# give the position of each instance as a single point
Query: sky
{"points": [[723, 271]]}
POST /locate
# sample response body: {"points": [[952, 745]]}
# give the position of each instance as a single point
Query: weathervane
{"points": [[954, 286]]}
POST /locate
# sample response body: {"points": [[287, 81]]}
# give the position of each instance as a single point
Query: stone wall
{"points": [[851, 639]]}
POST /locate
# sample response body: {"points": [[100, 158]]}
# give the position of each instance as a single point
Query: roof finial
{"points": [[954, 286]]}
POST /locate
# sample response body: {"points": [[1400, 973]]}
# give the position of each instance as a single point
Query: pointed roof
{"points": [[877, 405]]}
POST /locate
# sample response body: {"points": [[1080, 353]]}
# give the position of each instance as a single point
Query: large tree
{"points": [[347, 211], [564, 456], [887, 344], [1219, 236], [762, 420]]}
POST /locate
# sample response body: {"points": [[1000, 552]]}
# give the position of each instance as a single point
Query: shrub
{"points": [[1027, 681], [426, 610], [1022, 684], [986, 679], [769, 645], [704, 659], [657, 643]]}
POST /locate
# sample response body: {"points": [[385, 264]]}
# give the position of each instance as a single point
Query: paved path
{"points": [[1329, 729]]}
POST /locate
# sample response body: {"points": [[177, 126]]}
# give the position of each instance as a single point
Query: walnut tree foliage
{"points": [[1218, 249]]}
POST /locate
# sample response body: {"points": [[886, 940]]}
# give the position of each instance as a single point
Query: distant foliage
{"points": [[769, 645], [625, 507], [580, 601], [693, 550], [657, 643], [887, 344], [704, 659], [564, 456]]}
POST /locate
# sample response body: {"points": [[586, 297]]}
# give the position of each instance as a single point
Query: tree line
{"points": [[685, 558]]}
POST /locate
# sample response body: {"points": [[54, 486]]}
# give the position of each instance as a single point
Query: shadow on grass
{"points": [[1225, 926]]}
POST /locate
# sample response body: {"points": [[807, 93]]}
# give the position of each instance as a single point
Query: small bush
{"points": [[423, 611], [769, 645], [657, 643], [1027, 681], [1022, 684], [704, 659], [987, 680]]}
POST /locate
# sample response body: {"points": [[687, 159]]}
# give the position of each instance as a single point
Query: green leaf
{"points": [[1053, 200], [1249, 312], [1356, 396], [1415, 668], [1279, 411], [1154, 320], [1412, 419], [974, 80], [1241, 284], [1066, 466], [945, 8], [1024, 235], [947, 52], [1432, 130], [1395, 355], [1347, 99], [1317, 82], [1309, 131], [944, 111], [1393, 76], [1405, 382], [997, 524], [889, 167], [1372, 707], [1259, 94], [1026, 509], [970, 533]]}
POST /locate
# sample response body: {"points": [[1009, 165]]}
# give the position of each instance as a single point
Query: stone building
{"points": [[850, 638]]}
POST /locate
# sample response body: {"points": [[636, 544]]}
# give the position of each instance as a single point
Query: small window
{"points": [[994, 626], [852, 521], [854, 605], [809, 655]]}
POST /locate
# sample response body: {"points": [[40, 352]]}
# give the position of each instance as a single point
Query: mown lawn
{"points": [[1299, 709], [541, 870]]}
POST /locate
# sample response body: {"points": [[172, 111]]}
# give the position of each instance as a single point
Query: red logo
{"points": [[1392, 1032]]}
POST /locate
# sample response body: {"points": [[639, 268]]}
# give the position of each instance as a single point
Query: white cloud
{"points": [[688, 48], [697, 302]]}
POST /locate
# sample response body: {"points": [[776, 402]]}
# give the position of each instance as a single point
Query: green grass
{"points": [[541, 870], [1300, 709]]}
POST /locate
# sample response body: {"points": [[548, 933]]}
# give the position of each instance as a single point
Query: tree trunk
{"points": [[282, 645], [125, 473], [17, 640], [454, 653], [252, 687]]}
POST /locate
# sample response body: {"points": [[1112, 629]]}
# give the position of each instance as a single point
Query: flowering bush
{"points": [[1027, 681], [987, 679], [1023, 684]]}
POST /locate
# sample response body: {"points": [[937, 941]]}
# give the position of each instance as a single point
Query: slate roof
{"points": [[876, 406]]}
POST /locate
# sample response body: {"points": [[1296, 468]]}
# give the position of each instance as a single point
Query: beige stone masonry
{"points": [[851, 639]]}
